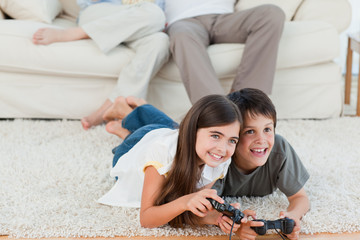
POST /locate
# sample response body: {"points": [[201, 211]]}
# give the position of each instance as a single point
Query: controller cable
{"points": [[281, 235], [232, 226]]}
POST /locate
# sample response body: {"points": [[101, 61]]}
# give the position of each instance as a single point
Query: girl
{"points": [[179, 165]]}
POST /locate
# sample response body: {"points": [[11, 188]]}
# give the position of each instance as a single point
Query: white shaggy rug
{"points": [[52, 173]]}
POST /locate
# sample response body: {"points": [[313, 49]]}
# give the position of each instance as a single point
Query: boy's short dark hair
{"points": [[253, 102]]}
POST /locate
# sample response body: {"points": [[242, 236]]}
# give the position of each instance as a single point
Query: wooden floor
{"points": [[344, 236]]}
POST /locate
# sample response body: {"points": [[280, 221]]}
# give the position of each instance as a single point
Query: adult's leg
{"points": [[260, 28], [151, 53], [189, 39], [108, 25], [45, 36], [138, 26]]}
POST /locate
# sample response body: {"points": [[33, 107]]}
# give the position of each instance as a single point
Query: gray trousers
{"points": [[260, 28]]}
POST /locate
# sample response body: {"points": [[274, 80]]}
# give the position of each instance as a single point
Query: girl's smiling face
{"points": [[256, 141], [215, 145]]}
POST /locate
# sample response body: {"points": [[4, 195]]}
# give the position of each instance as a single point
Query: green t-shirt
{"points": [[283, 170]]}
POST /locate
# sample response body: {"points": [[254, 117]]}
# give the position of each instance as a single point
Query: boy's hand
{"points": [[245, 232], [225, 222], [295, 233]]}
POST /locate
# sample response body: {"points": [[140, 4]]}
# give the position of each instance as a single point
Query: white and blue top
{"points": [[157, 148]]}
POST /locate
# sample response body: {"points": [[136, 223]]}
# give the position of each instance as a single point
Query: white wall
{"points": [[354, 27]]}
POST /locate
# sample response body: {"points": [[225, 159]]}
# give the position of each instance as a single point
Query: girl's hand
{"points": [[198, 204]]}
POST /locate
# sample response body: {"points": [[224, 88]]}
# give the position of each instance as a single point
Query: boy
{"points": [[262, 161]]}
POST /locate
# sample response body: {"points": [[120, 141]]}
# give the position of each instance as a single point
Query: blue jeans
{"points": [[140, 121]]}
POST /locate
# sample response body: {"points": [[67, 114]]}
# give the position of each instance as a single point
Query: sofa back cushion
{"points": [[288, 6], [335, 12], [36, 10]]}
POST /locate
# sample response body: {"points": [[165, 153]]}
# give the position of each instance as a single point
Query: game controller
{"points": [[225, 208], [286, 225]]}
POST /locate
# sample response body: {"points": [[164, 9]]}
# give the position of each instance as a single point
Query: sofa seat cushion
{"points": [[77, 58], [303, 92], [302, 44]]}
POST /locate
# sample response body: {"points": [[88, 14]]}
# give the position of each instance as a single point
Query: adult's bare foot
{"points": [[115, 127], [118, 110], [45, 36], [135, 102], [95, 118]]}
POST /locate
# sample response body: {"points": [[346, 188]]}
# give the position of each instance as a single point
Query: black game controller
{"points": [[286, 225], [225, 208]]}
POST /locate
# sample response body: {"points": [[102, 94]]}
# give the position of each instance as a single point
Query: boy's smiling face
{"points": [[255, 144]]}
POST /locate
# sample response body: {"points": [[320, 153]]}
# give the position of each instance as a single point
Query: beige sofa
{"points": [[72, 79]]}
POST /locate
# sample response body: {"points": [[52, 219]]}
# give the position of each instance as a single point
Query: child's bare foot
{"points": [[118, 110], [45, 36], [95, 118], [114, 127], [135, 102]]}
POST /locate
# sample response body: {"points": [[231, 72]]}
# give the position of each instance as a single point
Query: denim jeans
{"points": [[140, 121]]}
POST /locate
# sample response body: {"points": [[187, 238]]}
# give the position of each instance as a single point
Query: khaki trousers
{"points": [[260, 28]]}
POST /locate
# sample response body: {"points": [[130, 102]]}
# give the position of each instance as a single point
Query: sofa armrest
{"points": [[335, 12]]}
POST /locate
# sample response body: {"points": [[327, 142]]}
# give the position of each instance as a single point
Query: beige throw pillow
{"points": [[37, 10], [288, 6]]}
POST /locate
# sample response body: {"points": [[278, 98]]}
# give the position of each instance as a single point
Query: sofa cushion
{"points": [[37, 10], [335, 12], [76, 58], [288, 6], [302, 44], [307, 43], [1, 15], [303, 92]]}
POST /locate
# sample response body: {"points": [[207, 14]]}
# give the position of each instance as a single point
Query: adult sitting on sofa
{"points": [[193, 26], [72, 79], [110, 23]]}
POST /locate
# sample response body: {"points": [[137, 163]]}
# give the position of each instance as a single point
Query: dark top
{"points": [[283, 170]]}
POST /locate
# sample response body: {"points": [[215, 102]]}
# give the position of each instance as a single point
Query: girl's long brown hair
{"points": [[209, 111]]}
